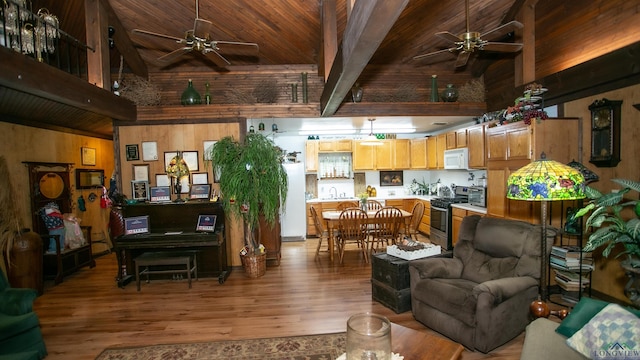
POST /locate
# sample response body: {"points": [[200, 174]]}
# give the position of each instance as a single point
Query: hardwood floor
{"points": [[304, 295]]}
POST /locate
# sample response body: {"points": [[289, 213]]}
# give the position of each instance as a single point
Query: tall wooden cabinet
{"points": [[311, 156], [475, 143], [418, 153], [512, 146]]}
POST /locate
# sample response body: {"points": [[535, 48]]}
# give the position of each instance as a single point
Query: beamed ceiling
{"points": [[291, 32]]}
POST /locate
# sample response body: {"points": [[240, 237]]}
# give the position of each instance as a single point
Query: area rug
{"points": [[307, 347]]}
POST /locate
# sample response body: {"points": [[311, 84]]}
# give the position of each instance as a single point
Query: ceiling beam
{"points": [[329, 36], [368, 25], [97, 59]]}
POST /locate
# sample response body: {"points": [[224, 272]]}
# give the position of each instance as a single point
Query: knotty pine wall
{"points": [[608, 277], [175, 136], [20, 143]]}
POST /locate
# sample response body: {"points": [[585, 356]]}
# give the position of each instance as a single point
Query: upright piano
{"points": [[172, 227]]}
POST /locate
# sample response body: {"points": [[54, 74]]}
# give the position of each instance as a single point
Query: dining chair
{"points": [[411, 230], [387, 224], [374, 205], [347, 204], [320, 231], [352, 228]]}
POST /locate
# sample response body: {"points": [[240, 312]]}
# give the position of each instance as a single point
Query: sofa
{"points": [[593, 329], [480, 296], [20, 335]]}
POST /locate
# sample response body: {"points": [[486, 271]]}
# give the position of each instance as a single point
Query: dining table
{"points": [[332, 218]]}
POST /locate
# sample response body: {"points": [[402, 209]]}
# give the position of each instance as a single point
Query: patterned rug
{"points": [[307, 347]]}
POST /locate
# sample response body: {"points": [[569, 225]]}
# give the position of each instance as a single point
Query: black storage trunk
{"points": [[396, 300], [390, 271]]}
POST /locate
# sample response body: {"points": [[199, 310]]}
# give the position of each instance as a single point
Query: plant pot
{"points": [[632, 288], [255, 266]]}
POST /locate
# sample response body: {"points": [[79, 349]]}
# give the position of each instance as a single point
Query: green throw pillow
{"points": [[584, 310]]}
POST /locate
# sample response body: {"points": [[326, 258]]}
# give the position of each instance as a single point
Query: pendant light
{"points": [[371, 139]]}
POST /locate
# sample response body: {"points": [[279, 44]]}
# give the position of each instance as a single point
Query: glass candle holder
{"points": [[368, 337]]}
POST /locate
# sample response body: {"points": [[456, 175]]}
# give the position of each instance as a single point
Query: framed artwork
{"points": [[132, 152], [207, 145], [149, 151], [199, 178], [391, 178], [88, 156], [163, 180], [216, 174], [160, 194], [190, 158], [206, 223], [136, 225], [141, 172], [200, 191], [140, 190]]}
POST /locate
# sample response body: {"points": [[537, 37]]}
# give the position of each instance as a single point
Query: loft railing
{"points": [[39, 36]]}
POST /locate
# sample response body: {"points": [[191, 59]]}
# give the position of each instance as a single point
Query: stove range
{"points": [[441, 217], [444, 203]]}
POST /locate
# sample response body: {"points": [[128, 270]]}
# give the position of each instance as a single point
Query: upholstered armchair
{"points": [[20, 336], [480, 296]]}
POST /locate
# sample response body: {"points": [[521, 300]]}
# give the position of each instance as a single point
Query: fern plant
{"points": [[612, 228]]}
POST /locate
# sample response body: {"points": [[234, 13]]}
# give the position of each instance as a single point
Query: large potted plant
{"points": [[253, 184], [616, 226]]}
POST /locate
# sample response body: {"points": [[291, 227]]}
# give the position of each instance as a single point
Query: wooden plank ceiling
{"points": [[287, 32]]}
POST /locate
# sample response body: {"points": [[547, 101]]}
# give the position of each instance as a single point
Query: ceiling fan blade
{"points": [[202, 28], [448, 36], [501, 31], [172, 56], [502, 47], [150, 33], [449, 50], [218, 59], [462, 59]]}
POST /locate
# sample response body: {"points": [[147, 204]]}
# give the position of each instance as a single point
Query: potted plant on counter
{"points": [[253, 184], [616, 222]]}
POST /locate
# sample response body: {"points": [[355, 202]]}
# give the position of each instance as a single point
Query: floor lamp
{"points": [[545, 180]]}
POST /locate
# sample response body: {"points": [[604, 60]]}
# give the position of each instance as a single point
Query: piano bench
{"points": [[166, 258]]}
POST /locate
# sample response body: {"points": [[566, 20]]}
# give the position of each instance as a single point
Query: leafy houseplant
{"points": [[253, 181], [613, 228]]}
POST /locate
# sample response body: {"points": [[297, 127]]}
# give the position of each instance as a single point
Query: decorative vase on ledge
{"points": [[190, 96], [450, 93]]}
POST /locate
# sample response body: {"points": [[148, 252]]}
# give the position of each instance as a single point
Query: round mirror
{"points": [[51, 185]]}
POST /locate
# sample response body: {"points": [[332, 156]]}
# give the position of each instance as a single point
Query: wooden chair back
{"points": [[347, 204]]}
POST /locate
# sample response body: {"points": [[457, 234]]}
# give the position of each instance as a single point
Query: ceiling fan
{"points": [[470, 41], [199, 39]]}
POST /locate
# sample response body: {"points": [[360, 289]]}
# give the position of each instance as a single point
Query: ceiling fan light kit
{"points": [[199, 39], [470, 41]]}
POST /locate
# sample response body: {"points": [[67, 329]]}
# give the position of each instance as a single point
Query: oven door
{"points": [[439, 219]]}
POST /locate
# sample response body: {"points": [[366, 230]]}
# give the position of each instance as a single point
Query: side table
{"points": [[390, 282]]}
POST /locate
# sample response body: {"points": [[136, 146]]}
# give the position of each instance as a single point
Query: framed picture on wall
{"points": [[140, 190], [199, 178], [132, 152], [207, 145], [149, 151], [88, 156], [163, 180], [391, 178], [141, 172]]}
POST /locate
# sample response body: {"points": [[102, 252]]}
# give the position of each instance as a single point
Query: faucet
{"points": [[335, 191]]}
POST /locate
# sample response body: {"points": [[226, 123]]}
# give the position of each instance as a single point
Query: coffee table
{"points": [[423, 345]]}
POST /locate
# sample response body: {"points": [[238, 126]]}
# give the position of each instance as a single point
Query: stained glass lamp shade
{"points": [[545, 180]]}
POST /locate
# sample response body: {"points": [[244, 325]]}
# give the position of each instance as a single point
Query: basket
{"points": [[254, 265]]}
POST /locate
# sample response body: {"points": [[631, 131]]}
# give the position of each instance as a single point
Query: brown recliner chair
{"points": [[480, 296]]}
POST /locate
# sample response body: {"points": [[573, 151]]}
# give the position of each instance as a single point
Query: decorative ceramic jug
{"points": [[450, 93], [190, 96], [434, 88]]}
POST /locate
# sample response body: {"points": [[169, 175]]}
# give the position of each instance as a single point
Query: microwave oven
{"points": [[456, 159], [477, 196]]}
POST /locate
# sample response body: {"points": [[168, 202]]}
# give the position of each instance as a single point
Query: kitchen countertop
{"points": [[379, 198], [474, 208]]}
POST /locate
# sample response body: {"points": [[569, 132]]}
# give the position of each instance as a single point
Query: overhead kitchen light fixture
{"points": [[371, 139]]}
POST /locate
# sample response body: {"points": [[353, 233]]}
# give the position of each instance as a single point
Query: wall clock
{"points": [[605, 133]]}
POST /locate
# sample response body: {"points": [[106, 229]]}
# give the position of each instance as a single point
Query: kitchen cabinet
{"points": [[451, 140], [393, 154], [512, 146], [475, 143], [363, 156], [441, 146], [456, 139], [311, 228], [432, 149], [418, 156], [335, 145], [457, 215], [311, 156]]}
